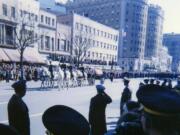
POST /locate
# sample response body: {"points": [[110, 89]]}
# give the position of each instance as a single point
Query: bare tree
{"points": [[25, 36], [81, 44]]}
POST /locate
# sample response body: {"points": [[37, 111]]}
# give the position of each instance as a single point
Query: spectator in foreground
{"points": [[97, 117], [18, 112], [161, 110], [62, 120]]}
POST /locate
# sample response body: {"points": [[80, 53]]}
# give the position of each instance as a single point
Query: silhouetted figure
{"points": [[164, 83], [126, 94], [146, 81], [18, 112], [51, 71], [7, 130], [63, 120], [97, 117], [170, 84], [157, 82]]}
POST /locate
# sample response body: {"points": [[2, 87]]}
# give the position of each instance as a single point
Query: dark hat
{"points": [[146, 80], [62, 120], [100, 87], [152, 80], [19, 84], [159, 101], [7, 130], [133, 105]]}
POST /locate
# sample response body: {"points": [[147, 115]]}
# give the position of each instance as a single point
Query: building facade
{"points": [[154, 35], [47, 28], [172, 42], [129, 17], [8, 22], [102, 41]]}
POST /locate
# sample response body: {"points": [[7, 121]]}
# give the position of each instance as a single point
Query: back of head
{"points": [[100, 88], [62, 120], [19, 86]]}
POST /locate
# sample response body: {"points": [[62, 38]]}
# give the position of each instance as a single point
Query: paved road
{"points": [[78, 98]]}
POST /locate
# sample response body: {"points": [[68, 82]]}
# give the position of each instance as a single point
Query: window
{"points": [[53, 22], [62, 45], [42, 43], [42, 18], [36, 18], [49, 20], [13, 12], [4, 9], [46, 20], [47, 43], [52, 41]]}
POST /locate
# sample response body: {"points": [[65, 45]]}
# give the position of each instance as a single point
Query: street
{"points": [[38, 100]]}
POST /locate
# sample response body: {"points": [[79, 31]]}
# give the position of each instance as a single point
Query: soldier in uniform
{"points": [[7, 130], [161, 110], [18, 112], [97, 117], [126, 95], [63, 120]]}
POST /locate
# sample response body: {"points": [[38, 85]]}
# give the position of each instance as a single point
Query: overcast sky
{"points": [[172, 14]]}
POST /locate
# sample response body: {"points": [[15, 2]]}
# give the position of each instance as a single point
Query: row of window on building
{"points": [[47, 20], [96, 32], [5, 10]]}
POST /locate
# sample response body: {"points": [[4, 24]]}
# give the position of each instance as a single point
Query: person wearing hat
{"points": [[146, 81], [63, 120], [161, 109], [126, 95], [18, 112], [7, 130], [97, 117]]}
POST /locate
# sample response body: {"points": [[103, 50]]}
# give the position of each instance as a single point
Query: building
{"points": [[129, 17], [154, 34], [172, 42], [164, 60], [47, 28], [101, 41], [8, 21], [63, 49]]}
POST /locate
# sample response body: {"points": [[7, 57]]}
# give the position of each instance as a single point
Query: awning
{"points": [[32, 55], [12, 54], [3, 56]]}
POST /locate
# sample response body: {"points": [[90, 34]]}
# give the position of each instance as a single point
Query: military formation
{"points": [[156, 112]]}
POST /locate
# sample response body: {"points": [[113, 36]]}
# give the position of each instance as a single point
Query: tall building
{"points": [[129, 17], [154, 34], [172, 42], [101, 40]]}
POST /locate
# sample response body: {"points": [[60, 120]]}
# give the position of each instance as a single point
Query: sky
{"points": [[172, 14]]}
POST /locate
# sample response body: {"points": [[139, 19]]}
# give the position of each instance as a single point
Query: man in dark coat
{"points": [[97, 117], [126, 94], [51, 71], [18, 112]]}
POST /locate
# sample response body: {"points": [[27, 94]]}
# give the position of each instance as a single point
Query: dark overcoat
{"points": [[97, 117], [18, 114]]}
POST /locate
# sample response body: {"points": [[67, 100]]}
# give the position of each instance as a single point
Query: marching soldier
{"points": [[62, 120]]}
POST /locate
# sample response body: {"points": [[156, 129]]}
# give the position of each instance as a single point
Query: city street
{"points": [[38, 100], [78, 98]]}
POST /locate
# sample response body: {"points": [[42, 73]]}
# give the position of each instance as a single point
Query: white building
{"points": [[103, 40], [63, 49], [47, 27]]}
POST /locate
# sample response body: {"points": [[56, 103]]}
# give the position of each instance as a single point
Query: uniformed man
{"points": [[126, 94], [18, 112], [161, 110], [7, 130], [97, 117], [63, 120]]}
